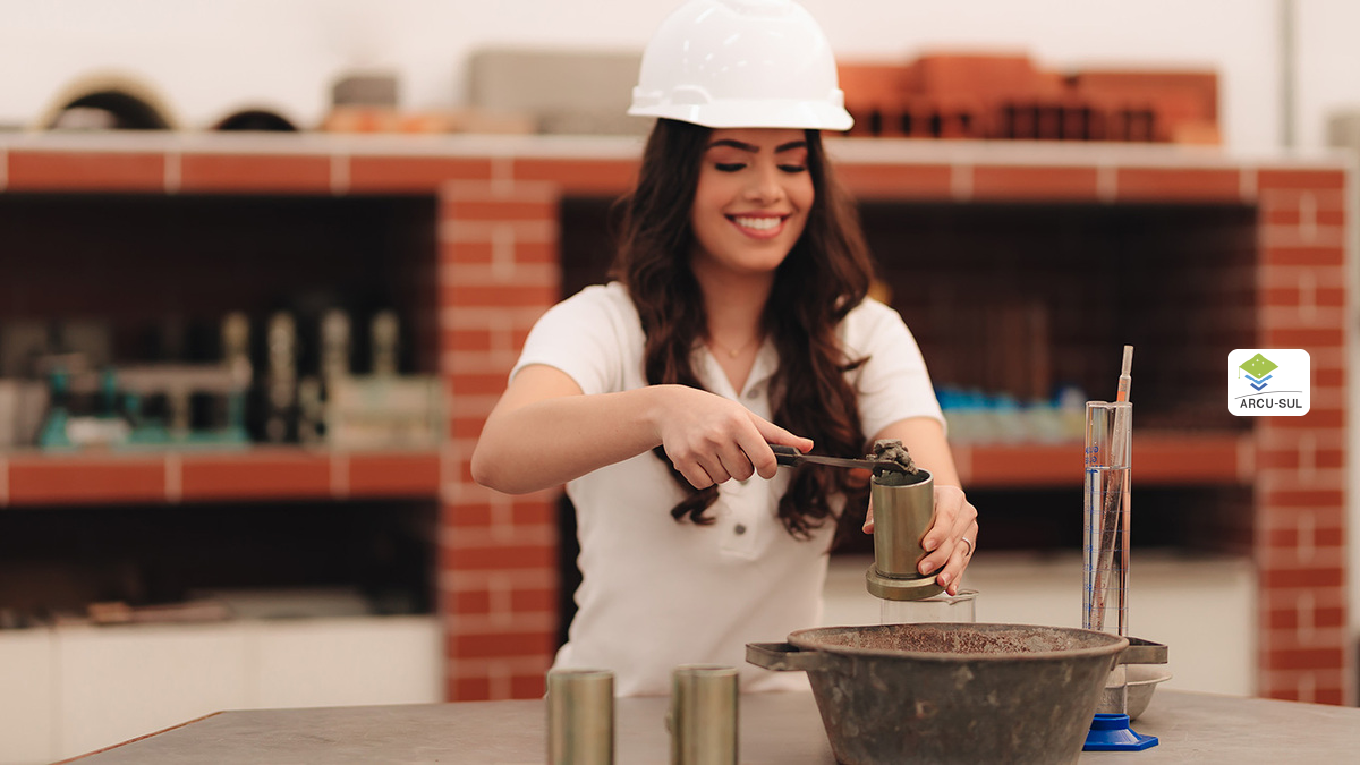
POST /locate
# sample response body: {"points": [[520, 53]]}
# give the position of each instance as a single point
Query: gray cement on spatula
{"points": [[895, 451]]}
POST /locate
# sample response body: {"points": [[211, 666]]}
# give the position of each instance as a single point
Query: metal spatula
{"points": [[790, 457]]}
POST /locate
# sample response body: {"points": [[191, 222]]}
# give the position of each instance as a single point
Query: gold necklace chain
{"points": [[732, 353]]}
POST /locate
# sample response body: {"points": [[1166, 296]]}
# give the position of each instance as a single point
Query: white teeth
{"points": [[760, 224]]}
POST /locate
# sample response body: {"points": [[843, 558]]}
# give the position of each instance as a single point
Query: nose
{"points": [[766, 186]]}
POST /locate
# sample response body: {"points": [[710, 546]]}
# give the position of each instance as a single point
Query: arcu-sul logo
{"points": [[1270, 382]]}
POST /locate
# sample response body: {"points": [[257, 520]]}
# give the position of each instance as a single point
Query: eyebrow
{"points": [[752, 148]]}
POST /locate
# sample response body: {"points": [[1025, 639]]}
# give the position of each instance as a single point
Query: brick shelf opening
{"points": [[58, 559], [1022, 298], [162, 271]]}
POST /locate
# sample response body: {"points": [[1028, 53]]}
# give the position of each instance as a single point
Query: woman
{"points": [[738, 318]]}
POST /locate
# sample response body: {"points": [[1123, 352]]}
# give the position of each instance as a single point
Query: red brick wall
{"points": [[1300, 485], [497, 272], [498, 554], [1302, 482], [990, 96]]}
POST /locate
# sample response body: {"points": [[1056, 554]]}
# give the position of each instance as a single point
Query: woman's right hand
{"points": [[711, 439]]}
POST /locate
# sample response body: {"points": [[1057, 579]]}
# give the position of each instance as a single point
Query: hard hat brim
{"points": [[806, 115]]}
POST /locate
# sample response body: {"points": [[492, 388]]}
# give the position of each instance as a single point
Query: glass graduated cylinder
{"points": [[1105, 542], [1105, 535]]}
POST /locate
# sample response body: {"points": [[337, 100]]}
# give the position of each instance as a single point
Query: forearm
{"points": [[545, 443]]}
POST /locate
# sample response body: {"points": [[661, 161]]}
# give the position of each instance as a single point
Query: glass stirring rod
{"points": [[1124, 379]]}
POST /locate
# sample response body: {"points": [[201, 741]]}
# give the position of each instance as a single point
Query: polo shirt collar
{"points": [[712, 375]]}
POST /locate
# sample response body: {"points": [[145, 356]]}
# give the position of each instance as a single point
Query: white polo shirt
{"points": [[656, 593]]}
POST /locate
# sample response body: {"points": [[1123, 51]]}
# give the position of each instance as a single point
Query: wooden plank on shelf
{"points": [[1159, 459], [393, 474], [79, 479], [260, 473], [257, 474], [1024, 465], [290, 473], [1192, 458]]}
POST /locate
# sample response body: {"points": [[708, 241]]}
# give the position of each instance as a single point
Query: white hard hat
{"points": [[741, 64]]}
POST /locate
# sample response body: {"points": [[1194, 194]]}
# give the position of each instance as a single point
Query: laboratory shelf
{"points": [[32, 478], [1167, 458], [38, 478]]}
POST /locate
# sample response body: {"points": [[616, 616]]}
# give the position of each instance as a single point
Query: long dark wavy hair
{"points": [[826, 274]]}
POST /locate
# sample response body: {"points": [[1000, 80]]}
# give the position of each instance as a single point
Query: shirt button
{"points": [[753, 394], [739, 529]]}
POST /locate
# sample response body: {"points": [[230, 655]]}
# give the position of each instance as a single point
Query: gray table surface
{"points": [[776, 728]]}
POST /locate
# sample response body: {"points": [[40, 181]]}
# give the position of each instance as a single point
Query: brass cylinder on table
{"points": [[703, 717], [904, 508], [580, 717]]}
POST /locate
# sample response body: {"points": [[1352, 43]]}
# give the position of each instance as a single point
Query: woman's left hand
{"points": [[951, 539]]}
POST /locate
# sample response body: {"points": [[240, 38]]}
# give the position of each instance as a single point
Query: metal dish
{"points": [[1142, 680]]}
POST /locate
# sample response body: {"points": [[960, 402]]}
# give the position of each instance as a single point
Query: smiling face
{"points": [[752, 200]]}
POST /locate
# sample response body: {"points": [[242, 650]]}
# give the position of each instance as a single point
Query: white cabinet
{"points": [[367, 661], [28, 731], [70, 690], [115, 683]]}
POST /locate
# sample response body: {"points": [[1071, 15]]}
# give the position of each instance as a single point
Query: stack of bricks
{"points": [[1001, 97]]}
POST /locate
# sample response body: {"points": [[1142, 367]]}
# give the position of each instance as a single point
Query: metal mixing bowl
{"points": [[951, 692]]}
